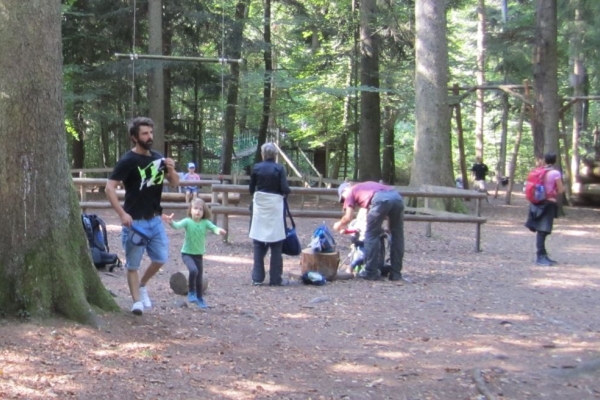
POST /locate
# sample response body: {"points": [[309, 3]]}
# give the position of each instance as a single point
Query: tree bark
{"points": [[545, 75], [156, 85], [45, 264], [388, 170], [480, 74], [432, 140], [369, 159], [235, 51], [79, 126], [577, 79], [268, 57]]}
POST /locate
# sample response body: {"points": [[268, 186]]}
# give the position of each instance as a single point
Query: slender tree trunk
{"points": [[347, 122], [513, 160], [461, 140], [45, 264], [480, 74], [369, 159], [156, 86], [167, 77], [268, 57], [388, 164], [104, 142], [235, 51], [356, 123], [198, 154], [545, 75], [577, 81], [501, 166], [79, 126], [432, 141]]}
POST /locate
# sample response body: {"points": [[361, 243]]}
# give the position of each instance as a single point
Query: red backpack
{"points": [[535, 191]]}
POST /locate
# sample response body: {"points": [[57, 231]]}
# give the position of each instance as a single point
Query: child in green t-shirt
{"points": [[195, 225]]}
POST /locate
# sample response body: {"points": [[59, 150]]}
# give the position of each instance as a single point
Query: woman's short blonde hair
{"points": [[268, 151]]}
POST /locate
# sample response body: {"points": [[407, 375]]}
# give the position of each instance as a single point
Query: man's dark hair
{"points": [[550, 158], [134, 125]]}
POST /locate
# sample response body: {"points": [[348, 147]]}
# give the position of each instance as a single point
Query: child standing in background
{"points": [[194, 245], [191, 192]]}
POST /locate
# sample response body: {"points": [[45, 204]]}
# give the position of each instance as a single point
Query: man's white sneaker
{"points": [[144, 297], [138, 308]]}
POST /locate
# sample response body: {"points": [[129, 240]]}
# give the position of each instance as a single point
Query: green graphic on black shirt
{"points": [[153, 174]]}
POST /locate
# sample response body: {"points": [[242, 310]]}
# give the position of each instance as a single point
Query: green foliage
{"points": [[314, 45]]}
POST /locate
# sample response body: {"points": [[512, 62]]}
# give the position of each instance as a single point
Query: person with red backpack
{"points": [[543, 208]]}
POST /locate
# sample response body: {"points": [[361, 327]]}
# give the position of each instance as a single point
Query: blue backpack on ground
{"points": [[313, 278], [322, 240], [95, 231]]}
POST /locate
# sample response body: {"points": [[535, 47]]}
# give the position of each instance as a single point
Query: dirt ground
{"points": [[468, 325]]}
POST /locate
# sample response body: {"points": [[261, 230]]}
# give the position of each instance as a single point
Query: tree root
{"points": [[481, 386], [581, 369]]}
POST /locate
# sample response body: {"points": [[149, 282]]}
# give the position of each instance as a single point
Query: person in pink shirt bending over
{"points": [[541, 216], [383, 202]]}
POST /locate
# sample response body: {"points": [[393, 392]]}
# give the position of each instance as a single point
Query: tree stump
{"points": [[179, 283], [324, 263]]}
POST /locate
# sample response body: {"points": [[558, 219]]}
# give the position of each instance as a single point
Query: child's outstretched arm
{"points": [[168, 219], [221, 231]]}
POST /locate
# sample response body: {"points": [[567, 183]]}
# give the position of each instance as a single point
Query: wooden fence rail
{"points": [[219, 190]]}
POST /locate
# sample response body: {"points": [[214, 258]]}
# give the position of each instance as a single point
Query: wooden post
{"points": [[305, 183], [214, 199], [478, 227], [225, 203], [319, 185], [428, 224]]}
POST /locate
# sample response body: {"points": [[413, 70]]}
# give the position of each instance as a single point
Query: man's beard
{"points": [[147, 145]]}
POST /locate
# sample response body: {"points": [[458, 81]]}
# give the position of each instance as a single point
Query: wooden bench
{"points": [[225, 194], [425, 214], [233, 198]]}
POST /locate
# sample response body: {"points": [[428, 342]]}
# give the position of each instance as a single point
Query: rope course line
{"points": [[135, 56]]}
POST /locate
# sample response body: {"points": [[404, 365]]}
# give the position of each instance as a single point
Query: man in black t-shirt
{"points": [[142, 172], [479, 170]]}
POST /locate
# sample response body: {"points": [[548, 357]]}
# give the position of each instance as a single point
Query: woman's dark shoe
{"points": [[284, 282], [544, 261], [551, 260]]}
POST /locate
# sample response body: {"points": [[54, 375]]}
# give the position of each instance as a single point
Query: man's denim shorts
{"points": [[157, 247]]}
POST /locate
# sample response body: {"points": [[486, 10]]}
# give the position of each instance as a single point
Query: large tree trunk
{"points": [[45, 265], [369, 160], [268, 56], [235, 52], [432, 140], [156, 85], [545, 75]]}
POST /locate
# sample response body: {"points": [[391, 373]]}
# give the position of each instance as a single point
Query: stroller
{"points": [[356, 256]]}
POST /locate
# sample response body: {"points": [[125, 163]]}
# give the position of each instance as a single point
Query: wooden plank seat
{"points": [[232, 198]]}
